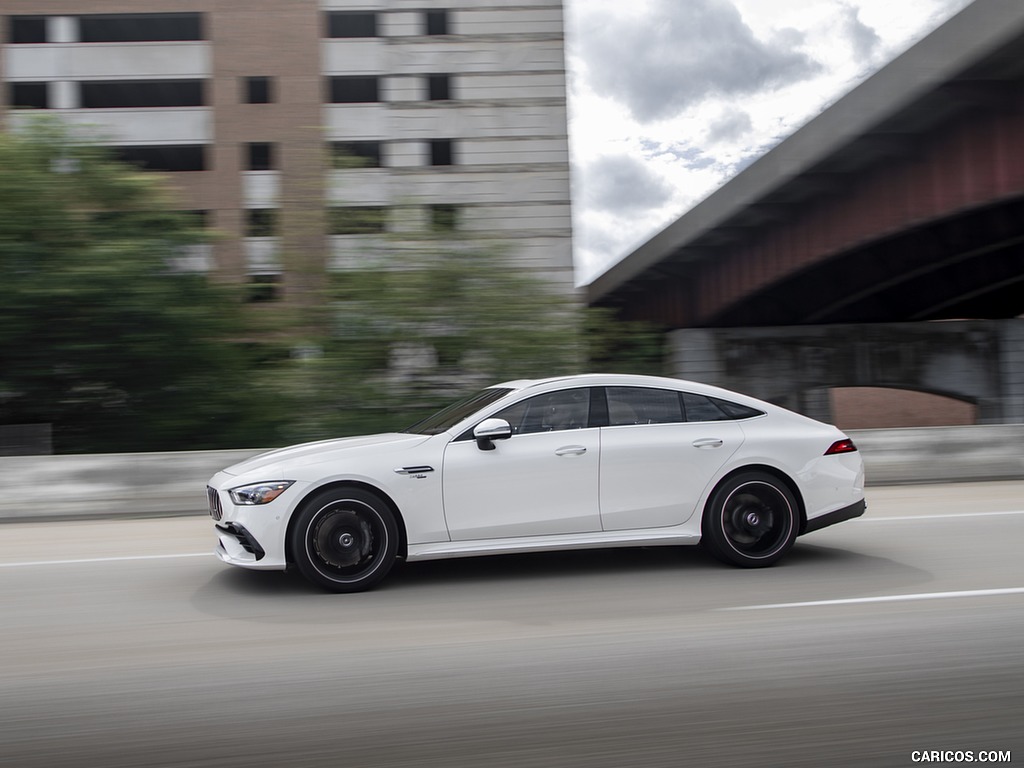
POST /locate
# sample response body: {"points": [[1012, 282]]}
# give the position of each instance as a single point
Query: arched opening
{"points": [[880, 408]]}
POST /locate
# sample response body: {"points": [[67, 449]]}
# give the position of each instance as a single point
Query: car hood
{"points": [[307, 454]]}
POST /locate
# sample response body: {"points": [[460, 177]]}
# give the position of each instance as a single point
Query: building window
{"points": [[171, 158], [261, 222], [439, 87], [441, 152], [357, 220], [437, 22], [257, 90], [26, 29], [29, 96], [351, 24], [354, 90], [259, 156], [356, 154], [140, 27], [263, 288], [444, 218], [119, 94]]}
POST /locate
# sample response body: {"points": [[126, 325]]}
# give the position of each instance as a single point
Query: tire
{"points": [[751, 520], [344, 540]]}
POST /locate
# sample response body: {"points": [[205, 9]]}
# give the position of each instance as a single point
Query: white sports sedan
{"points": [[527, 466]]}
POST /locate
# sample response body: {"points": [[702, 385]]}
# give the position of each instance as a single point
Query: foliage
{"points": [[623, 346], [409, 339], [99, 334]]}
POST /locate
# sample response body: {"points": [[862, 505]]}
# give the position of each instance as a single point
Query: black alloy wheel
{"points": [[751, 520], [344, 540]]}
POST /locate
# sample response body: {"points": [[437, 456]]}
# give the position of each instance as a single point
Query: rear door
{"points": [[655, 465]]}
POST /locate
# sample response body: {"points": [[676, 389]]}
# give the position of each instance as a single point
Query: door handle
{"points": [[709, 442], [571, 450]]}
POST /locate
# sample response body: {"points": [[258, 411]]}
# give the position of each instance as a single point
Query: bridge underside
{"points": [[966, 266]]}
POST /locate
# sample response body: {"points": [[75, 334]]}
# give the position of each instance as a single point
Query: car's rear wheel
{"points": [[345, 540], [751, 520]]}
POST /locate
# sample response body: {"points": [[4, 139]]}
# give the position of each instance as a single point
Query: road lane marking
{"points": [[104, 559], [883, 599], [951, 515]]}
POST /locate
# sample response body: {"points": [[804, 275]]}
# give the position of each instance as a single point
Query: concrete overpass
{"points": [[903, 203]]}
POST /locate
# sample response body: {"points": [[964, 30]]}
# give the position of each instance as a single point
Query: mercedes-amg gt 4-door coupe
{"points": [[554, 464]]}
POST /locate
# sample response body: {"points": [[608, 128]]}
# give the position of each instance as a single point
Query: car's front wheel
{"points": [[344, 540], [751, 520]]}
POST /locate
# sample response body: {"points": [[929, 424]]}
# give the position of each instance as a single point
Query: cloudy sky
{"points": [[668, 99]]}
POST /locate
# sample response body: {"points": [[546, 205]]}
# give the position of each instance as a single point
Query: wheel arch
{"points": [[403, 547], [774, 472]]}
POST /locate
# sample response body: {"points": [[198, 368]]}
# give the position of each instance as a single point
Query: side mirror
{"points": [[489, 430]]}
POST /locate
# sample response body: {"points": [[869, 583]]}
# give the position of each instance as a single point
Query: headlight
{"points": [[259, 493]]}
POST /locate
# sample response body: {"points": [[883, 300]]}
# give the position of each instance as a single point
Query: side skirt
{"points": [[600, 540]]}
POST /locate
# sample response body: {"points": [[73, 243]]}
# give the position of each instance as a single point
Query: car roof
{"points": [[616, 379]]}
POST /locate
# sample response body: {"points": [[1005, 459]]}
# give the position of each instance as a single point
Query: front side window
{"points": [[643, 405], [550, 412]]}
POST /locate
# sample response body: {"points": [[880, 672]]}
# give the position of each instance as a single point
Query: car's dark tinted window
{"points": [[550, 412], [448, 417], [643, 405], [701, 408], [736, 411]]}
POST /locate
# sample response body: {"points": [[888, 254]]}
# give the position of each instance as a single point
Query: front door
{"points": [[541, 481]]}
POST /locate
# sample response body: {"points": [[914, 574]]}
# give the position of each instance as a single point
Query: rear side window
{"points": [[703, 408], [642, 405]]}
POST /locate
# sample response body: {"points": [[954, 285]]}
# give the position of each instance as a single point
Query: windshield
{"points": [[447, 418]]}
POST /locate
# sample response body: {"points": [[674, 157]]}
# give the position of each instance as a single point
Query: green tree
{"points": [[409, 339], [100, 334]]}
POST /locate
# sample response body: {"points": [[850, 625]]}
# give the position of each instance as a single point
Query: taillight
{"points": [[841, 446]]}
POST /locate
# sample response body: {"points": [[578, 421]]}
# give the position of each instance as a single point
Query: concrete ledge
{"points": [[110, 484], [161, 484], [942, 454]]}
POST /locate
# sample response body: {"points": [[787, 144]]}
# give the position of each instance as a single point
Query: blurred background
{"points": [[242, 225]]}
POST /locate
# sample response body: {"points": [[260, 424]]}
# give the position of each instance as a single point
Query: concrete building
{"points": [[307, 130]]}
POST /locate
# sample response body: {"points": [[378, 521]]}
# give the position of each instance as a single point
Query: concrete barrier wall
{"points": [[153, 484], [942, 454]]}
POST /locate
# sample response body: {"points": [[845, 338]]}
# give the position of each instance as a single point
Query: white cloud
{"points": [[670, 98]]}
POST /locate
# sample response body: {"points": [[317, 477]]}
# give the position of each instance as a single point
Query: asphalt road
{"points": [[123, 643]]}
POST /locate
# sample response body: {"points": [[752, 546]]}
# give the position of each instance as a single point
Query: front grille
{"points": [[214, 498]]}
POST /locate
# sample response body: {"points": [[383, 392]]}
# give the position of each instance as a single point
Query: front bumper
{"points": [[250, 536]]}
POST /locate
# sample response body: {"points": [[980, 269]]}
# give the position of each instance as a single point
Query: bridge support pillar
{"points": [[979, 361]]}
